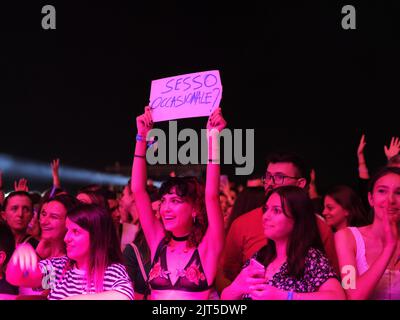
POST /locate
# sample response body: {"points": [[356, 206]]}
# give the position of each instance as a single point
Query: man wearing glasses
{"points": [[246, 234]]}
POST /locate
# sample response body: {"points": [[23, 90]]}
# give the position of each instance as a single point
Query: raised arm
{"points": [[213, 242], [152, 227], [362, 165], [55, 164], [394, 148], [21, 185], [23, 269], [312, 190], [364, 284]]}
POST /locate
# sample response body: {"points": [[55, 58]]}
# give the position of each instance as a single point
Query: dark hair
{"points": [[35, 197], [96, 197], [14, 194], [69, 202], [104, 243], [52, 192], [349, 200], [381, 173], [295, 159], [247, 200], [305, 235], [191, 190], [7, 242]]}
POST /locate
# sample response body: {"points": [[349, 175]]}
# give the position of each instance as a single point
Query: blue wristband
{"points": [[139, 137], [290, 295]]}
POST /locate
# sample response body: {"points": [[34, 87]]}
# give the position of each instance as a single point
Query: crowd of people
{"points": [[274, 239]]}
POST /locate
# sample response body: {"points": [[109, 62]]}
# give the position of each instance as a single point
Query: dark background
{"points": [[288, 70]]}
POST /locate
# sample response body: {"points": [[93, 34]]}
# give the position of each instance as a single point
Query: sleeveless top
{"points": [[191, 278], [388, 287]]}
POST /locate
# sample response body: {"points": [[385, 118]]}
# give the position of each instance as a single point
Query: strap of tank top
{"points": [[362, 264]]}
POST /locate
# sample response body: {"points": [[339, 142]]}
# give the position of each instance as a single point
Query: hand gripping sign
{"points": [[185, 96]]}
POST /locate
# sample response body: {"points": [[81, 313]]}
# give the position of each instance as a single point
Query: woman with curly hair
{"points": [[186, 244]]}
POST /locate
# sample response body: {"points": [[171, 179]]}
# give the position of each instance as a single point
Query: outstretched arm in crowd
{"points": [[55, 164], [212, 243], [394, 148], [21, 185], [152, 227], [362, 165], [23, 269]]}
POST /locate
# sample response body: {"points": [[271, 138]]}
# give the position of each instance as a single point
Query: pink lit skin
{"points": [[52, 220], [335, 215], [177, 214], [385, 198], [77, 241], [277, 226]]}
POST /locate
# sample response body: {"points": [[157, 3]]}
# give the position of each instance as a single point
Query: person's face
{"points": [[385, 197], [284, 173], [335, 215], [52, 220], [18, 213], [277, 226], [77, 242], [127, 205], [177, 214]]}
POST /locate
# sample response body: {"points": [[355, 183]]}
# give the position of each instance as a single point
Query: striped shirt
{"points": [[73, 282]]}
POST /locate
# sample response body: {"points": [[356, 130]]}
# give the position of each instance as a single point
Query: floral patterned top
{"points": [[191, 278], [317, 271]]}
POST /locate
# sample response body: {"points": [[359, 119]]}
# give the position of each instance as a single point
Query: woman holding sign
{"points": [[185, 246]]}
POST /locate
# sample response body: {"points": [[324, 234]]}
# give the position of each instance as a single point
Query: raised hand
{"points": [[390, 234], [25, 258], [21, 185], [393, 149], [216, 120], [144, 122], [55, 164], [362, 165], [361, 146]]}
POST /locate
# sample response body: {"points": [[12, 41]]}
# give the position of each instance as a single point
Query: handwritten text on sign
{"points": [[185, 96]]}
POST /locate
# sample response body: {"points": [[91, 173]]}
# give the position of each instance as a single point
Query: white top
{"points": [[388, 287]]}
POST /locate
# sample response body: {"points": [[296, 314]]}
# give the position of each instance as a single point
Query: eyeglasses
{"points": [[276, 179]]}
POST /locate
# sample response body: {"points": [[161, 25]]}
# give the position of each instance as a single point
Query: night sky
{"points": [[288, 70]]}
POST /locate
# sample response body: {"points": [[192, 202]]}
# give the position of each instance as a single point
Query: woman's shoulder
{"points": [[116, 269], [57, 262], [346, 236]]}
